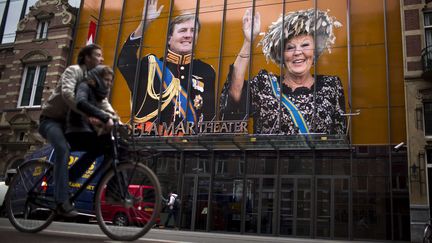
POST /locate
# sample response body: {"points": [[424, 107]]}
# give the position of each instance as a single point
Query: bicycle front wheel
{"points": [[427, 234], [27, 198], [127, 203]]}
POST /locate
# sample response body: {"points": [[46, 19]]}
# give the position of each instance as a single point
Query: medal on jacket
{"points": [[198, 102], [197, 84]]}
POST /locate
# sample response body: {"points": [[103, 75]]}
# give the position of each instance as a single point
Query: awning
{"points": [[242, 142]]}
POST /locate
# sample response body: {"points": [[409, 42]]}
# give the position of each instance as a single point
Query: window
{"points": [[427, 116], [42, 30], [428, 28], [220, 167], [13, 12], [32, 86]]}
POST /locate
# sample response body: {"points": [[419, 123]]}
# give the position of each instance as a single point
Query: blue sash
{"points": [[168, 77], [295, 114]]}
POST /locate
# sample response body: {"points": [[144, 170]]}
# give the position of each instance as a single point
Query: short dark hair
{"points": [[87, 51], [181, 19]]}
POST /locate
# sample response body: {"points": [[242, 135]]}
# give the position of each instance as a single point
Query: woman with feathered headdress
{"points": [[310, 104]]}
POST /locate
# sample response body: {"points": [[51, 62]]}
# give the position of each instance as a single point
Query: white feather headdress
{"points": [[299, 23]]}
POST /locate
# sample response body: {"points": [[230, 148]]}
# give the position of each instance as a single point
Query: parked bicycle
{"points": [[427, 233], [128, 188]]}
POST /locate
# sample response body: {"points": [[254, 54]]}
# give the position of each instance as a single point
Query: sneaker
{"points": [[161, 226], [66, 209]]}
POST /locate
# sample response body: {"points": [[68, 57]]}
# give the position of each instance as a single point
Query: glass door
{"points": [[195, 198], [201, 203], [287, 208], [252, 203], [187, 201], [267, 205], [260, 205], [332, 207], [295, 211]]}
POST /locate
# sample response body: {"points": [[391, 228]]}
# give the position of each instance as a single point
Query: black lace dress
{"points": [[322, 112]]}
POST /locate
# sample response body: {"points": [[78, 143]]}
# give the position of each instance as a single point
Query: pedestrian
{"points": [[173, 209]]}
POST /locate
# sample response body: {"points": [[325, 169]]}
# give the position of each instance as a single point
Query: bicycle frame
{"points": [[100, 170]]}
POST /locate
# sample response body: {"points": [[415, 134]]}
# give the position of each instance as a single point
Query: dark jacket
{"points": [[89, 96], [179, 66], [63, 97]]}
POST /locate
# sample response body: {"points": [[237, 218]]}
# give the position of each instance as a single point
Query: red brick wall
{"points": [[411, 2], [412, 19], [413, 45]]}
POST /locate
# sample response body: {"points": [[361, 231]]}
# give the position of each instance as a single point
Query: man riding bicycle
{"points": [[53, 121]]}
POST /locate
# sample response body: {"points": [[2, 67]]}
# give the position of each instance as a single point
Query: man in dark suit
{"points": [[176, 104]]}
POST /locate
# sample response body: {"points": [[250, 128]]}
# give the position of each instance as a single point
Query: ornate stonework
{"points": [[63, 8], [67, 16], [36, 56]]}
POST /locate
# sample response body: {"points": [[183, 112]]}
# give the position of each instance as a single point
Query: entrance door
{"points": [[332, 207], [295, 206], [260, 205], [195, 198]]}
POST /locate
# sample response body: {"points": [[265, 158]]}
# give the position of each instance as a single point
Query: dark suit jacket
{"points": [[179, 66]]}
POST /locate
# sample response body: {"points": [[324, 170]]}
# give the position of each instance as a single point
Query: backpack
{"points": [[177, 203]]}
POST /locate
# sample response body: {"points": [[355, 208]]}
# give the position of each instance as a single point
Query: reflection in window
{"points": [[261, 163], [32, 86], [298, 164], [30, 3], [14, 14], [2, 9], [197, 163], [362, 184], [162, 165]]}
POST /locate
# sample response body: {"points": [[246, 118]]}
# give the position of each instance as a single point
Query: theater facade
{"points": [[232, 175]]}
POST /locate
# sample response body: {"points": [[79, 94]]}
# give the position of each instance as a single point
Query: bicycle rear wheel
{"points": [[131, 217], [27, 198]]}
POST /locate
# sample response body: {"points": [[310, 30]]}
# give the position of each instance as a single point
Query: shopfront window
{"points": [[296, 163], [197, 163], [333, 162], [261, 163]]}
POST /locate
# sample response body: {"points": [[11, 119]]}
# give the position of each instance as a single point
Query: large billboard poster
{"points": [[254, 67]]}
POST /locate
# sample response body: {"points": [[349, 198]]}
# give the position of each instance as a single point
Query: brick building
{"points": [[417, 38], [30, 66]]}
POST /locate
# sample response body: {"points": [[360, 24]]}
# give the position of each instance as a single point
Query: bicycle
{"points": [[129, 187], [427, 233]]}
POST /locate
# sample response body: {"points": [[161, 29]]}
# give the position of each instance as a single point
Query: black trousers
{"points": [[93, 146], [172, 213]]}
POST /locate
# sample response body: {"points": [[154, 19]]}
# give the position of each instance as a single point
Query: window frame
{"points": [[34, 85]]}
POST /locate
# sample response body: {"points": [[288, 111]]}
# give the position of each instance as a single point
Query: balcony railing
{"points": [[426, 58]]}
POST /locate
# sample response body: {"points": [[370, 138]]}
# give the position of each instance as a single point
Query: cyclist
{"points": [[83, 135], [53, 121]]}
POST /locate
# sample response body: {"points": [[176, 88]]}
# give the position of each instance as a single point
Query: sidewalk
{"points": [[211, 237]]}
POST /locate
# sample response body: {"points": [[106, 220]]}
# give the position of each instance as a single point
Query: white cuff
{"points": [[131, 37]]}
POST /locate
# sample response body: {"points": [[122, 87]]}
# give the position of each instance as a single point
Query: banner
{"points": [[255, 67]]}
